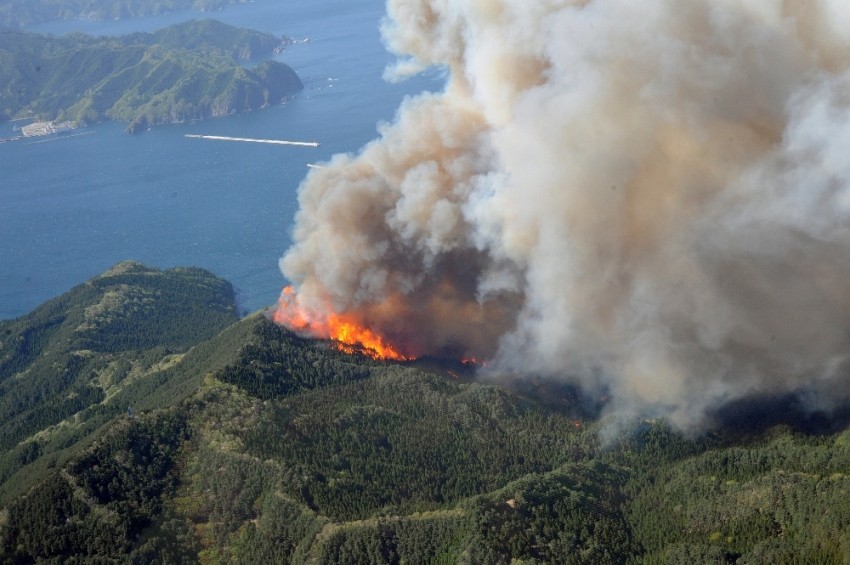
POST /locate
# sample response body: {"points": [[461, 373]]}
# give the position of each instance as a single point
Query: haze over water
{"points": [[72, 207]]}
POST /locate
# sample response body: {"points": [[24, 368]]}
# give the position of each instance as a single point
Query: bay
{"points": [[72, 206]]}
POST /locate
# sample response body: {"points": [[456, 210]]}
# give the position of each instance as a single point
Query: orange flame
{"points": [[473, 361], [350, 337]]}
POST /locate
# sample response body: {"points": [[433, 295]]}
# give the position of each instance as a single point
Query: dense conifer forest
{"points": [[142, 422]]}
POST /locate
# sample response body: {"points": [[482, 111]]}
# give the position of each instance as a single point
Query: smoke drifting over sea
{"points": [[646, 197]]}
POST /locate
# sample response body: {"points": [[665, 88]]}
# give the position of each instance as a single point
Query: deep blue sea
{"points": [[73, 206]]}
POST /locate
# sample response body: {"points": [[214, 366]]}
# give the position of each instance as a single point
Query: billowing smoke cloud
{"points": [[647, 197]]}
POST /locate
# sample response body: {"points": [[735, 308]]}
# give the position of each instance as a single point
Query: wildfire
{"points": [[473, 361], [350, 337]]}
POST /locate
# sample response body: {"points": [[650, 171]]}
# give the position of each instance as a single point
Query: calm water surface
{"points": [[73, 206]]}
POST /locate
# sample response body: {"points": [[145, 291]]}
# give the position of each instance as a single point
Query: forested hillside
{"points": [[183, 72], [93, 353], [257, 446], [18, 13]]}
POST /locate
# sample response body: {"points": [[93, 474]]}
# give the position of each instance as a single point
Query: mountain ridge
{"points": [[247, 443], [183, 72], [21, 13]]}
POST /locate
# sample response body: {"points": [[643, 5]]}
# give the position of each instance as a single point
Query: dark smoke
{"points": [[647, 197]]}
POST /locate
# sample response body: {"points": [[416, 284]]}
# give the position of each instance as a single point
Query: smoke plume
{"points": [[645, 197]]}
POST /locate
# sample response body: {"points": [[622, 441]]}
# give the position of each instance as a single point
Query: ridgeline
{"points": [[184, 72], [142, 422], [21, 13]]}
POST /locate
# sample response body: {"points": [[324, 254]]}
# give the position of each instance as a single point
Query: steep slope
{"points": [[780, 499], [81, 359], [212, 36], [183, 72], [257, 446]]}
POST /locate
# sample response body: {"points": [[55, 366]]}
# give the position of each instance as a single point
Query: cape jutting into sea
{"points": [[72, 206]]}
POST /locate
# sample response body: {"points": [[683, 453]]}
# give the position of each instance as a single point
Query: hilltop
{"points": [[187, 71], [246, 443], [79, 360]]}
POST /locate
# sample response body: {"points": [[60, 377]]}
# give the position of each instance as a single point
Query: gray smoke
{"points": [[648, 197]]}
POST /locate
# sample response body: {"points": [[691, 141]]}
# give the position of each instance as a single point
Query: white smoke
{"points": [[648, 197]]}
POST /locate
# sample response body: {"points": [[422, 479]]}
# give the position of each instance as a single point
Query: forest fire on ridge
{"points": [[351, 337]]}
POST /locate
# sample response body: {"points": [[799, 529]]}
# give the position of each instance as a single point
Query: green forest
{"points": [[141, 421], [184, 72], [20, 13]]}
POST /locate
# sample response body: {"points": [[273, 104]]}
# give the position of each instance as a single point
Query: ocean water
{"points": [[72, 206]]}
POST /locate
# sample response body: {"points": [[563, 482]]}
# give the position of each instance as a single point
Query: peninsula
{"points": [[188, 71]]}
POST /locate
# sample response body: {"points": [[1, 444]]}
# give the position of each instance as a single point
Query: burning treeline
{"points": [[644, 196]]}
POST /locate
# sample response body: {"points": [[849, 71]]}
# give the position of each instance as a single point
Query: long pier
{"points": [[252, 140]]}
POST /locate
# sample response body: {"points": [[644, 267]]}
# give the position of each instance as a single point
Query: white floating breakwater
{"points": [[253, 140]]}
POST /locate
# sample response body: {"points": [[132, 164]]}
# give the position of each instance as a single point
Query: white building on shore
{"points": [[46, 128]]}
